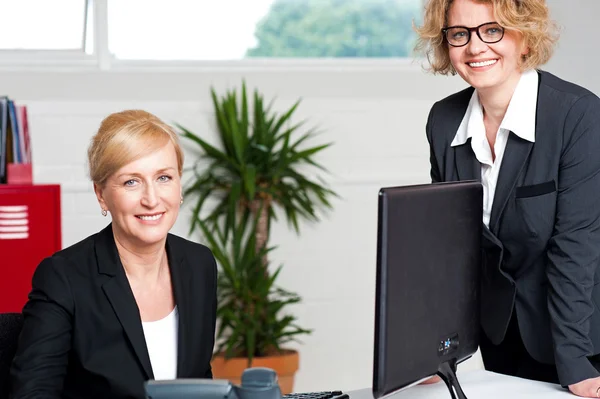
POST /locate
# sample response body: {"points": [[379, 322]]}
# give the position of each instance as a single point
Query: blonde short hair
{"points": [[124, 137], [530, 17]]}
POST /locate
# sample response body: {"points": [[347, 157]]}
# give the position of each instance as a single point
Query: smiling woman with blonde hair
{"points": [[131, 302], [532, 140], [530, 18]]}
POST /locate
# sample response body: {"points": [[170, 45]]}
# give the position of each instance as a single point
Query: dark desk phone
{"points": [[257, 383]]}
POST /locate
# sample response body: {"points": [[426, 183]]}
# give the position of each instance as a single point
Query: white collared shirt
{"points": [[519, 119]]}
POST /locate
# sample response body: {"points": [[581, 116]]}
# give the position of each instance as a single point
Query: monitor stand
{"points": [[447, 372]]}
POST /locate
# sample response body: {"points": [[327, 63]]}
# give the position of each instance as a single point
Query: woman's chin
{"points": [[149, 235]]}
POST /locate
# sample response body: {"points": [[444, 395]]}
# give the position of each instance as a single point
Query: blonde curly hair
{"points": [[530, 17]]}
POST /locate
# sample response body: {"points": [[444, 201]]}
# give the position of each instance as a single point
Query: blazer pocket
{"points": [[536, 189], [536, 207]]}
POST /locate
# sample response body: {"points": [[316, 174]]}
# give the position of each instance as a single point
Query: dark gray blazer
{"points": [[542, 250], [82, 335]]}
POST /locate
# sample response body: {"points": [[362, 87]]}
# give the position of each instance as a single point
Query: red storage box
{"points": [[30, 230], [19, 173]]}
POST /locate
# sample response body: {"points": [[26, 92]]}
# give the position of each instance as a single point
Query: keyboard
{"points": [[317, 395]]}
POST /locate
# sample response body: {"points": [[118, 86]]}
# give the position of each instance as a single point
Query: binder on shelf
{"points": [[3, 137], [15, 143]]}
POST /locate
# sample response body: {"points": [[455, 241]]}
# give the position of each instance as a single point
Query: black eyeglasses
{"points": [[458, 36]]}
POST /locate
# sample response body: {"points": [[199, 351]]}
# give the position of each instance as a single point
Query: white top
{"points": [[519, 118], [161, 340]]}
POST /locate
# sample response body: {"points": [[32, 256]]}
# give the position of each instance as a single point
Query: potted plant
{"points": [[238, 188]]}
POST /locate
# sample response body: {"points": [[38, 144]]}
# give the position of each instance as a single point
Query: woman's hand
{"points": [[589, 388], [432, 380]]}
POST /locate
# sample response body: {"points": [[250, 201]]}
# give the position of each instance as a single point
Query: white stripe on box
{"points": [[14, 236], [13, 222], [14, 229], [13, 215], [17, 208]]}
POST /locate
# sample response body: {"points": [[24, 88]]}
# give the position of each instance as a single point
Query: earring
{"points": [[104, 212], [181, 202]]}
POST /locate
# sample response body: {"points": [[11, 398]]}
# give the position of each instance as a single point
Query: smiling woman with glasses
{"points": [[531, 138]]}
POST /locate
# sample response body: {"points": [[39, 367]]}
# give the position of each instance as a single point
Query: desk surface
{"points": [[479, 384]]}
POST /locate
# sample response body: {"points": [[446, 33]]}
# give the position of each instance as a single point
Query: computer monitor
{"points": [[427, 293]]}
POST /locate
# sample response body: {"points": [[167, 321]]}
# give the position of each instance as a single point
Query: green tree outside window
{"points": [[337, 28]]}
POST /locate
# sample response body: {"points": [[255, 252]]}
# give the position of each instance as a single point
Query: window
{"points": [[99, 32], [43, 25], [239, 29]]}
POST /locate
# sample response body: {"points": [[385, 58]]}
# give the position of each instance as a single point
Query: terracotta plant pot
{"points": [[285, 365]]}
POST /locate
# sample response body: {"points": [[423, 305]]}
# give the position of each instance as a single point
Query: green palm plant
{"points": [[249, 304], [258, 169]]}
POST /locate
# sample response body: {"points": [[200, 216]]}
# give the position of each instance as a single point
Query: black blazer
{"points": [[542, 250], [82, 335]]}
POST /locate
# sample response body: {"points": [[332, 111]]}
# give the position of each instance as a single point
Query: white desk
{"points": [[479, 384]]}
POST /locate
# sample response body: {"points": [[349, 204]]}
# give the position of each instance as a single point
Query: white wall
{"points": [[375, 113]]}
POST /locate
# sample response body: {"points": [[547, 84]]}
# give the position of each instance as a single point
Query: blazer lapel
{"points": [[515, 155], [467, 165], [180, 281], [121, 298]]}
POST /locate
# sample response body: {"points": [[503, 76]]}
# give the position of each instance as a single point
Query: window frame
{"points": [[51, 58]]}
